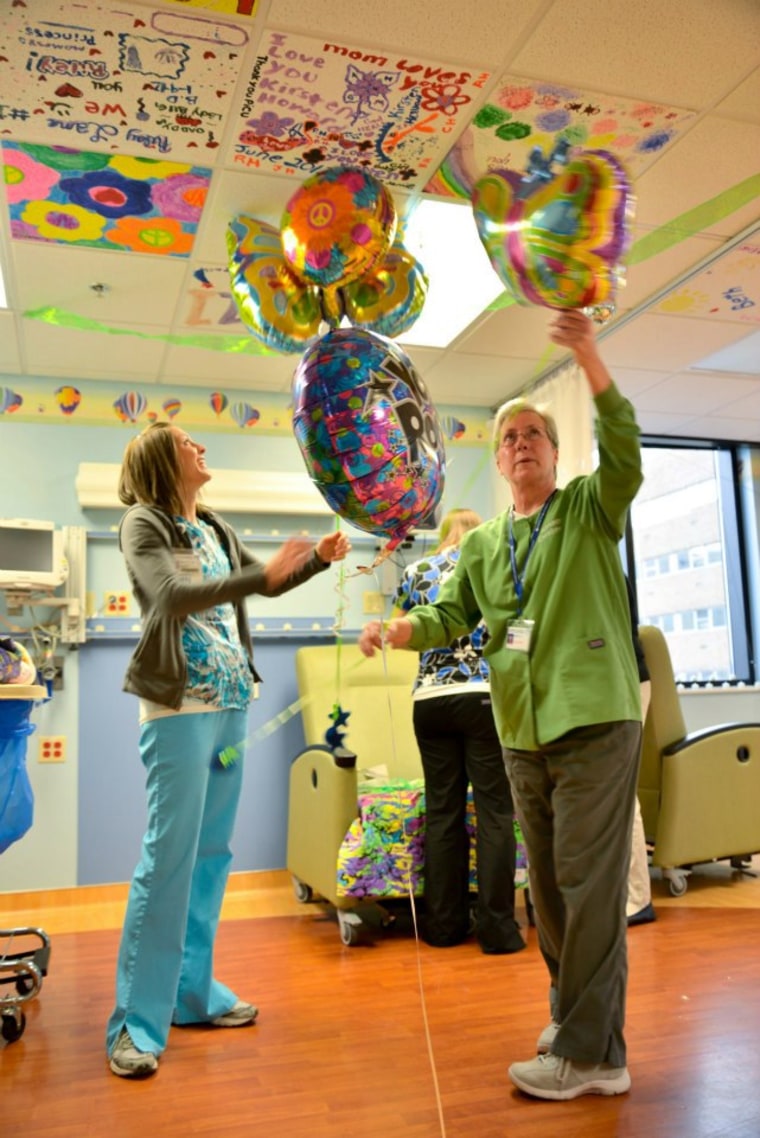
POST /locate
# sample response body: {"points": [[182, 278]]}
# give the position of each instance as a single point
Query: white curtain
{"points": [[567, 398]]}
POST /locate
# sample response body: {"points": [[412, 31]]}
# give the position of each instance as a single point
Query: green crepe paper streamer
{"points": [[242, 346], [695, 220], [687, 225]]}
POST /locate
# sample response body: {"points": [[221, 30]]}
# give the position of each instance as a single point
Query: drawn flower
{"points": [[445, 98], [655, 141], [271, 124], [515, 98], [509, 130], [142, 169], [25, 178], [63, 222], [182, 196], [64, 159], [108, 193], [553, 121], [20, 231], [153, 235]]}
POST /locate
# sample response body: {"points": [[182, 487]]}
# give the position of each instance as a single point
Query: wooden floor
{"points": [[341, 1046]]}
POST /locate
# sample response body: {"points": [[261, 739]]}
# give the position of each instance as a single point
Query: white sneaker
{"points": [[554, 1077], [129, 1063], [239, 1015], [547, 1037]]}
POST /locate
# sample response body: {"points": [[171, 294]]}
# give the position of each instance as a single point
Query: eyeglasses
{"points": [[530, 434]]}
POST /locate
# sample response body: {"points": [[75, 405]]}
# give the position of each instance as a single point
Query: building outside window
{"points": [[684, 542]]}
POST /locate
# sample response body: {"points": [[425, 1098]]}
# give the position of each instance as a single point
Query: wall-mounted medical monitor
{"points": [[31, 555]]}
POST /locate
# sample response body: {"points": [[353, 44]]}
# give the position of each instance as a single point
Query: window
{"points": [[685, 546]]}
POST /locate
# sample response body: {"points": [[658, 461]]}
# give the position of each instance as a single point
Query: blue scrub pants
{"points": [[165, 963]]}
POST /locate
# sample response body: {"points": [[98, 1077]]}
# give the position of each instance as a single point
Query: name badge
{"points": [[519, 634], [188, 564]]}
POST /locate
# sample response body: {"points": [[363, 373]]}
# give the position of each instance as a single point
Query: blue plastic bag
{"points": [[16, 797]]}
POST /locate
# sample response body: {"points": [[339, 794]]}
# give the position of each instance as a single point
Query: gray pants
{"points": [[574, 800]]}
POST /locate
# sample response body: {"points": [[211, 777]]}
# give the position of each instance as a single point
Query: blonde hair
{"points": [[510, 410], [150, 471], [455, 525]]}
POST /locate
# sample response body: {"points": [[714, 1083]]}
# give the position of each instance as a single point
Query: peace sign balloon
{"points": [[337, 225]]}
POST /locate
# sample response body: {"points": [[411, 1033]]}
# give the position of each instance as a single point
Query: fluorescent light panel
{"points": [[444, 239]]}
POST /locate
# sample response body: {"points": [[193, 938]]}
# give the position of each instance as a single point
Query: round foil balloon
{"points": [[368, 432], [279, 310], [560, 243], [389, 298], [337, 226]]}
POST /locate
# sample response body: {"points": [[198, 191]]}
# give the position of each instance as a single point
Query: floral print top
{"points": [[461, 666], [217, 667]]}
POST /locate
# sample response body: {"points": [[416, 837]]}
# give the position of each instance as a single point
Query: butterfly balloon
{"points": [[558, 239]]}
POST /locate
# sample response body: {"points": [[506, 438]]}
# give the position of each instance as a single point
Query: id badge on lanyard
{"points": [[188, 564], [520, 631]]}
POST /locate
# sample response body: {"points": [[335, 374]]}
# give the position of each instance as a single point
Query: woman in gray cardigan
{"points": [[194, 675]]}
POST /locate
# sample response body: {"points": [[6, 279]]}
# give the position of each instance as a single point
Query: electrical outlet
{"points": [[373, 603], [116, 604], [52, 749]]}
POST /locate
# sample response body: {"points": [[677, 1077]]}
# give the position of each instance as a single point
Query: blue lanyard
{"points": [[519, 578]]}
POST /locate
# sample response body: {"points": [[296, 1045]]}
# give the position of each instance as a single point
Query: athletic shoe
{"points": [[555, 1077], [547, 1037], [239, 1015], [128, 1062]]}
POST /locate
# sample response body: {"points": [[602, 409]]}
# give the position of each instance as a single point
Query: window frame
{"points": [[735, 555]]}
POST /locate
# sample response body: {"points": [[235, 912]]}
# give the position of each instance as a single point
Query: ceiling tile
{"points": [[642, 45], [50, 350], [664, 342], [687, 394], [412, 27], [217, 368], [705, 165], [744, 102], [138, 289]]}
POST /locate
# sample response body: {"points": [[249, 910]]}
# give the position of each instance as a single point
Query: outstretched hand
{"points": [[296, 551], [574, 330], [333, 547], [396, 633]]}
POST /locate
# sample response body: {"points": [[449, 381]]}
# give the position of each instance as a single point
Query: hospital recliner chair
{"points": [[324, 782], [700, 792], [359, 805]]}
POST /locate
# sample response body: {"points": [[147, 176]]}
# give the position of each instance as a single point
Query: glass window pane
{"points": [[683, 521]]}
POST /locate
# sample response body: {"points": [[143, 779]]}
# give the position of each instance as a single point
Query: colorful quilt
{"points": [[383, 852]]}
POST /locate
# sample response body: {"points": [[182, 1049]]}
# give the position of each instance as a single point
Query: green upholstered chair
{"points": [[699, 792], [379, 741]]}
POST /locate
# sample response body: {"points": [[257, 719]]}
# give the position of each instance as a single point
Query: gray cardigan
{"points": [[148, 538]]}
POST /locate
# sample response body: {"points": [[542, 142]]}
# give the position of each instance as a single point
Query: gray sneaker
{"points": [[239, 1015], [128, 1062], [547, 1037], [554, 1077]]}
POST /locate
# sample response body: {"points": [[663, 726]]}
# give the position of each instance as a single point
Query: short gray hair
{"points": [[514, 407]]}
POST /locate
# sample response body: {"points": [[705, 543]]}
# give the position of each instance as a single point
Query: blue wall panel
{"points": [[112, 809]]}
